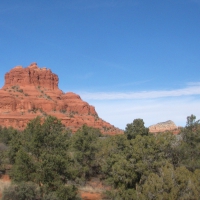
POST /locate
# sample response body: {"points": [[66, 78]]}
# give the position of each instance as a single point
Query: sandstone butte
{"points": [[164, 126], [32, 91]]}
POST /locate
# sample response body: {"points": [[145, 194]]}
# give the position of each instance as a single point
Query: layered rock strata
{"points": [[163, 127], [32, 91]]}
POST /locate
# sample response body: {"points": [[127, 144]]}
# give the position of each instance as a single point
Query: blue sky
{"points": [[129, 58]]}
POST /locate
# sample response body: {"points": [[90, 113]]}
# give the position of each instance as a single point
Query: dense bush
{"points": [[22, 191], [136, 128], [84, 148], [146, 166], [46, 160], [40, 154], [31, 191]]}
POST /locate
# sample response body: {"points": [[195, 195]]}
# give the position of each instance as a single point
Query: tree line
{"points": [[48, 162]]}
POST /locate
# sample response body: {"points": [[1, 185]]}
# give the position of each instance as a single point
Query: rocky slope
{"points": [[33, 91], [164, 126]]}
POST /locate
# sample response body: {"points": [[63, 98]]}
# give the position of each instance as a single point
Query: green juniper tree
{"points": [[43, 157], [136, 128], [188, 150], [84, 147]]}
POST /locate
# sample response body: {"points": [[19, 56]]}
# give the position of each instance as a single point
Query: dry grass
{"points": [[95, 185], [3, 184], [91, 189]]}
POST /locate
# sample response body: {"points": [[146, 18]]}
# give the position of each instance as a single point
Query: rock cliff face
{"points": [[33, 91], [31, 76], [164, 126]]}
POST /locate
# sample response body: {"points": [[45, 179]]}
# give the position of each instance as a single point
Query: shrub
{"points": [[22, 191]]}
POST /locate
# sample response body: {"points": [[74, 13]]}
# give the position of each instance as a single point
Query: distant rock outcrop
{"points": [[163, 126], [33, 91]]}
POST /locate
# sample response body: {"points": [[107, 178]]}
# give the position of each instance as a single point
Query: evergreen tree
{"points": [[84, 147], [22, 191], [43, 156], [170, 183], [136, 128]]}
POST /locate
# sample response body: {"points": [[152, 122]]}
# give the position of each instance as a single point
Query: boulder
{"points": [[163, 127]]}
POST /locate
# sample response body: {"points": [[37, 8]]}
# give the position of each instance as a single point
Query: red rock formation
{"points": [[32, 91], [163, 127], [32, 76]]}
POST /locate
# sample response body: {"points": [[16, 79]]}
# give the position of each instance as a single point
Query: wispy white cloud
{"points": [[193, 83], [121, 112], [152, 106], [191, 89]]}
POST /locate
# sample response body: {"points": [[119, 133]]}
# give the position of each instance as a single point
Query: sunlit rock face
{"points": [[33, 91], [163, 127], [31, 76]]}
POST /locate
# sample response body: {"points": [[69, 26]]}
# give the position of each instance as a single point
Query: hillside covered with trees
{"points": [[47, 162]]}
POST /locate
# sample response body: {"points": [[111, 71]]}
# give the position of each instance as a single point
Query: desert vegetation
{"points": [[47, 162]]}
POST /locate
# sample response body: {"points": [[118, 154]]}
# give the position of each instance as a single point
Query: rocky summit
{"points": [[33, 91], [164, 126]]}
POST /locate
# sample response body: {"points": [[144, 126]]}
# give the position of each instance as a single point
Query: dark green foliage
{"points": [[31, 191], [22, 191], [136, 165], [67, 192], [6, 134], [111, 151], [191, 122], [191, 133], [189, 148], [122, 194], [50, 196], [23, 168], [84, 148], [41, 156], [3, 157], [125, 163], [153, 167], [170, 183], [63, 193], [136, 128], [16, 142]]}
